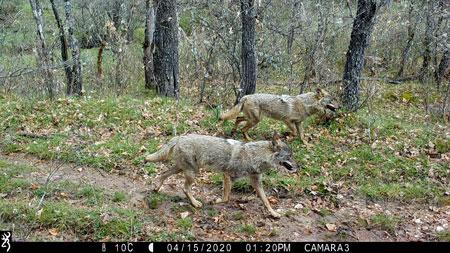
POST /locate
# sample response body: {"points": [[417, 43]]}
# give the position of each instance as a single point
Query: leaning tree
{"points": [[362, 28]]}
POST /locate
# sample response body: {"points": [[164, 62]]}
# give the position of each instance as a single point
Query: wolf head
{"points": [[283, 155], [326, 100]]}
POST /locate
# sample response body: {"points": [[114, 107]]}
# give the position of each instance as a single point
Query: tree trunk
{"points": [[165, 55], [43, 53], [100, 60], [148, 45], [63, 41], [428, 40], [291, 30], [320, 36], [411, 33], [442, 68], [248, 51], [359, 41], [76, 86]]}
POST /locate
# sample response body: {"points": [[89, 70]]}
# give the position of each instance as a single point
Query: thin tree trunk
{"points": [[428, 40], [248, 51], [100, 61], [63, 42], [165, 55], [43, 53], [148, 45], [76, 87], [442, 68], [320, 36], [359, 41], [291, 31], [411, 34]]}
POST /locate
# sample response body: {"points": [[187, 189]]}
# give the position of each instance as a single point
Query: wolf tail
{"points": [[164, 153], [234, 112]]}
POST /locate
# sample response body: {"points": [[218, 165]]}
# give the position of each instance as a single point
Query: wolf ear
{"points": [[276, 139], [319, 93]]}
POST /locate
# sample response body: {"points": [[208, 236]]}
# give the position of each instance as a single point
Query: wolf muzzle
{"points": [[289, 166], [331, 107]]}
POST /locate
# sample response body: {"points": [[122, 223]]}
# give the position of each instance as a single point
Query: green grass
{"points": [[444, 236], [119, 196], [184, 223], [385, 222], [247, 229]]}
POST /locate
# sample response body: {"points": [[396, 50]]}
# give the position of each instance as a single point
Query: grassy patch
{"points": [[184, 223], [385, 222], [247, 229], [119, 196]]}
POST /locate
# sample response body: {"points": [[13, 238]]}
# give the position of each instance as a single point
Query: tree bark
{"points": [[148, 45], [442, 68], [428, 40], [100, 60], [76, 86], [63, 41], [43, 54], [411, 34], [359, 41], [248, 51], [311, 56], [165, 55]]}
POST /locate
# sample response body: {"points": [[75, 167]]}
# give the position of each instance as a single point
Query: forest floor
{"points": [[73, 169]]}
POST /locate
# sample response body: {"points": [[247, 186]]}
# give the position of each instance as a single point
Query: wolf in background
{"points": [[292, 110]]}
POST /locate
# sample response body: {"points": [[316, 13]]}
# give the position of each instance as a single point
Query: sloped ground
{"points": [[380, 174]]}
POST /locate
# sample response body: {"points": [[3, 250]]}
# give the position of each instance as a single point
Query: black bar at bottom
{"points": [[225, 247]]}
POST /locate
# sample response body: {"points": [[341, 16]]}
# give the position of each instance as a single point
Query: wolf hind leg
{"points": [[166, 174], [189, 180], [239, 120], [292, 127], [253, 118], [256, 183], [226, 189]]}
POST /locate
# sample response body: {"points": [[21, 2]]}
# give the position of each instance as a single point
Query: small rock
{"points": [[439, 229], [339, 196], [80, 169], [298, 206], [184, 214], [418, 221]]}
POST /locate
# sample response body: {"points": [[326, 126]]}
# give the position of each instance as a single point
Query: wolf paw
{"points": [[220, 201], [275, 215], [197, 204]]}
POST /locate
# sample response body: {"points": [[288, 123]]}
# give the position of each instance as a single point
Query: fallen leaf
{"points": [[298, 206], [273, 200], [53, 231], [34, 186], [331, 227], [184, 214]]}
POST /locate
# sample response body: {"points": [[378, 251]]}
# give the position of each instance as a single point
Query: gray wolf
{"points": [[292, 110], [235, 159]]}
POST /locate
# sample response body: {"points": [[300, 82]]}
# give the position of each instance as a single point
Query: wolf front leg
{"points": [[226, 189], [256, 183], [299, 126]]}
